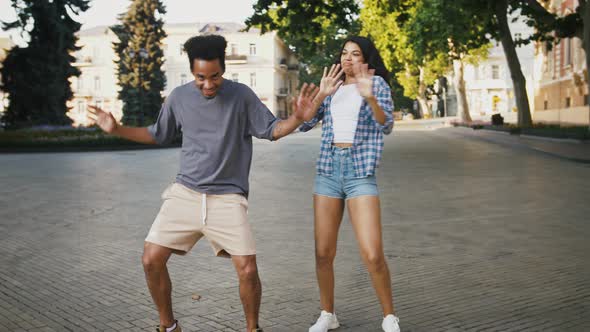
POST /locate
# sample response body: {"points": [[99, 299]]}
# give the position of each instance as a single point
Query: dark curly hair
{"points": [[370, 54], [206, 47]]}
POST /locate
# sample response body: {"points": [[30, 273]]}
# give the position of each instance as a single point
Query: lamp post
{"points": [[142, 54]]}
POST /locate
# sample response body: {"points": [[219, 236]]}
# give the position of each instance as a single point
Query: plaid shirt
{"points": [[367, 147]]}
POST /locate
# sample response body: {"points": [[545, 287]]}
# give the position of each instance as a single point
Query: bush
{"points": [[497, 120]]}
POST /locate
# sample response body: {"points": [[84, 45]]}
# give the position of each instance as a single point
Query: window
{"points": [[476, 72], [252, 49], [234, 49], [183, 79], [252, 80], [568, 102], [586, 100], [517, 36], [495, 72], [545, 105], [234, 77], [96, 82], [568, 54]]}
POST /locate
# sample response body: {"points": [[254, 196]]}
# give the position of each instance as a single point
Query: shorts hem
{"points": [[327, 195], [177, 250], [360, 195], [233, 253]]}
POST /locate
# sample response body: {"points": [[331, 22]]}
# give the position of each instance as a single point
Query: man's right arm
{"points": [[136, 134], [109, 125]]}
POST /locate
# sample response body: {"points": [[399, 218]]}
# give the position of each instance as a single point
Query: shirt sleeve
{"points": [[308, 125], [261, 121], [166, 128], [382, 93]]}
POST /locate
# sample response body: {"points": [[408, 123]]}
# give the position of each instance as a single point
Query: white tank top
{"points": [[345, 108]]}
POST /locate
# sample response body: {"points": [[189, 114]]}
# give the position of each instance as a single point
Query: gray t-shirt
{"points": [[216, 135]]}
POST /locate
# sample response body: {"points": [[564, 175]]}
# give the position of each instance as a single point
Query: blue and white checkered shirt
{"points": [[367, 147]]}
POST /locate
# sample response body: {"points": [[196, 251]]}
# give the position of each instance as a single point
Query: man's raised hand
{"points": [[104, 120]]}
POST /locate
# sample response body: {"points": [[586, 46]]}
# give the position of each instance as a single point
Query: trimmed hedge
{"points": [[40, 140], [542, 130]]}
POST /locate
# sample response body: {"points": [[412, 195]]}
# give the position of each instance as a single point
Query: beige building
{"points": [[561, 92], [5, 45], [262, 62]]}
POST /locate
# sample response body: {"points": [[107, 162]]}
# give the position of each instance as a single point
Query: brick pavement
{"points": [[479, 237]]}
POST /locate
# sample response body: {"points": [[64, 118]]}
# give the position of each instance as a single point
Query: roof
{"points": [[197, 28]]}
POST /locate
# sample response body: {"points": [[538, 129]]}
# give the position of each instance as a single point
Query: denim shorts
{"points": [[342, 183]]}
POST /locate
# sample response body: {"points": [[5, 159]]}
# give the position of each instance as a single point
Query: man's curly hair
{"points": [[206, 47]]}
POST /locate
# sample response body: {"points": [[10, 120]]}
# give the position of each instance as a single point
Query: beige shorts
{"points": [[186, 216]]}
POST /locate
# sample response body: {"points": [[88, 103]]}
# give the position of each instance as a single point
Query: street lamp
{"points": [[142, 54]]}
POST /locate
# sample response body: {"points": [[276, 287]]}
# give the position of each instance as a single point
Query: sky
{"points": [[105, 12]]}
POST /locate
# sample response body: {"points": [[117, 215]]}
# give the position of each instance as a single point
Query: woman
{"points": [[356, 109]]}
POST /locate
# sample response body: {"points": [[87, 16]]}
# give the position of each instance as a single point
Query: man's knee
{"points": [[247, 269], [154, 259]]}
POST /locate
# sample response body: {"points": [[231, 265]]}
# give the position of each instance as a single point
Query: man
{"points": [[217, 119]]}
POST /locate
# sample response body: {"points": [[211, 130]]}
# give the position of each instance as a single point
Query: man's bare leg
{"points": [[250, 288], [154, 262]]}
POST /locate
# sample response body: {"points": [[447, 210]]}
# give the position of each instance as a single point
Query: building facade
{"points": [[489, 84], [262, 62], [561, 93]]}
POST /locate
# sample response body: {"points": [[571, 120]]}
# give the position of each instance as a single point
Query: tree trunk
{"points": [[462, 105], [424, 109], [585, 11], [518, 80]]}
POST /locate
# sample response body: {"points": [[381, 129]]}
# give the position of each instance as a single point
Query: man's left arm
{"points": [[285, 127], [304, 107]]}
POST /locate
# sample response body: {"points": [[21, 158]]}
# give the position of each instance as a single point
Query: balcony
{"points": [[236, 59], [283, 64], [83, 61], [282, 92], [84, 93]]}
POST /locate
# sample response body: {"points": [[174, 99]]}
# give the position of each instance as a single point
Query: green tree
{"points": [[36, 77], [314, 29], [499, 28], [443, 28], [490, 20], [388, 23], [497, 25], [140, 60]]}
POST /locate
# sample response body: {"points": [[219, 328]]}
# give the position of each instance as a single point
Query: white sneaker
{"points": [[327, 321], [390, 323]]}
